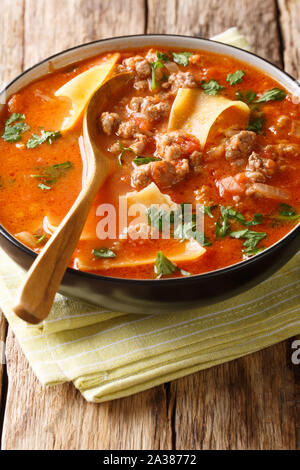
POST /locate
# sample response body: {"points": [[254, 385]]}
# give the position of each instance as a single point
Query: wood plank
{"points": [[249, 403], [35, 417], [59, 418], [246, 404], [11, 53], [290, 27], [206, 19], [60, 25]]}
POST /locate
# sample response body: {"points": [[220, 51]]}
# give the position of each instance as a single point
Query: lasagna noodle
{"points": [[196, 112], [81, 88]]}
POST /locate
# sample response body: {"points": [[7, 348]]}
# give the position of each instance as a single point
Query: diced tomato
{"points": [[188, 145], [143, 124], [230, 185]]}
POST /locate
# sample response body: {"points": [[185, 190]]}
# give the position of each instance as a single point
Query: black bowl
{"points": [[164, 295]]}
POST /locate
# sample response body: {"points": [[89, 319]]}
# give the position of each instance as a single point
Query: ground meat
{"points": [[166, 146], [127, 130], [139, 144], [163, 173], [141, 176], [195, 160], [109, 122], [140, 84], [180, 80], [182, 169], [280, 151], [259, 169], [240, 145], [143, 68], [138, 64], [150, 107]]}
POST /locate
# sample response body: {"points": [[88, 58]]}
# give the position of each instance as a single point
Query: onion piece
{"points": [[171, 67], [270, 192]]}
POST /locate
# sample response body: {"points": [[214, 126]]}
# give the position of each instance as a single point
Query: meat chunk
{"points": [[139, 144], [150, 107], [166, 146], [141, 176], [127, 129], [195, 160], [259, 169], [180, 80], [280, 151], [240, 145], [140, 85], [109, 122], [143, 68], [138, 64], [163, 173]]}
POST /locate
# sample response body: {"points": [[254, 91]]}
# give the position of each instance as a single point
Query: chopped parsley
{"points": [[252, 239], [257, 220], [248, 97], [182, 229], [40, 239], [235, 78], [123, 150], [275, 94], [163, 266], [212, 87], [287, 213], [14, 127], [103, 253], [145, 160], [50, 175], [256, 124], [182, 58], [45, 136]]}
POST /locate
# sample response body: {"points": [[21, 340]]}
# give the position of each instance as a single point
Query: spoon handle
{"points": [[44, 277]]}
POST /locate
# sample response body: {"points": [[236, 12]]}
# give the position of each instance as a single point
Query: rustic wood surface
{"points": [[251, 403]]}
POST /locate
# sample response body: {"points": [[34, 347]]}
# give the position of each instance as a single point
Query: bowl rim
{"points": [[166, 281]]}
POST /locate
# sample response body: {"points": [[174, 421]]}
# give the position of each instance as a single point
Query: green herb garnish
{"points": [[103, 253], [182, 58], [251, 238], [163, 266], [256, 124], [50, 175], [123, 150], [45, 136], [15, 126], [275, 94], [248, 97], [212, 87], [257, 220], [145, 160], [235, 78], [287, 213], [40, 239]]}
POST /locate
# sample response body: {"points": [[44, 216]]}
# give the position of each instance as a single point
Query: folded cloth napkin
{"points": [[109, 355]]}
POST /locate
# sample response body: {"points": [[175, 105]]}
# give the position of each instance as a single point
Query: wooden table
{"points": [[250, 403]]}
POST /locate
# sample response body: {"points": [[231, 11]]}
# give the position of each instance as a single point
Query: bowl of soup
{"points": [[202, 198]]}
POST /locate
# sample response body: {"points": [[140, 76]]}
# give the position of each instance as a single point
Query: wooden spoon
{"points": [[44, 276]]}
